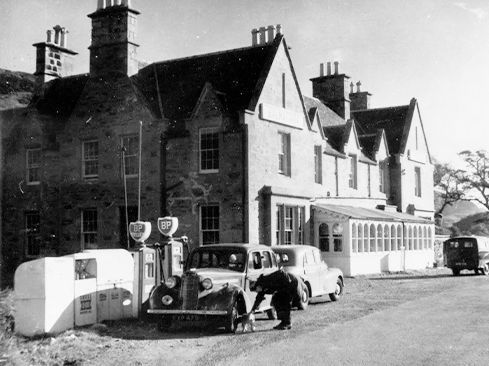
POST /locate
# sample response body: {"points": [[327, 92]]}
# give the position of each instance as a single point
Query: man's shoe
{"points": [[282, 326]]}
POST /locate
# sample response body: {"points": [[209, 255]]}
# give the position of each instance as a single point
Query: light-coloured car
{"points": [[305, 261]]}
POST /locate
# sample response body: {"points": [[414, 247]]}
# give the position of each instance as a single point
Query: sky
{"points": [[436, 51]]}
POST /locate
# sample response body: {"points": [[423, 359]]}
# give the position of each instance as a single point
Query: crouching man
{"points": [[286, 288]]}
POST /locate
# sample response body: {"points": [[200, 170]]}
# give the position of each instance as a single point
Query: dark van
{"points": [[467, 252]]}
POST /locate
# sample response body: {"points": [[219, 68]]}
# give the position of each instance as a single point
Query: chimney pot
{"points": [[100, 4], [336, 63], [57, 35], [328, 65], [254, 36], [49, 36], [321, 69], [270, 33], [64, 38], [263, 38], [359, 84], [126, 3], [351, 87], [279, 29]]}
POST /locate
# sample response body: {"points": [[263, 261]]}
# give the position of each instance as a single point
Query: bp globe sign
{"points": [[167, 225], [140, 230]]}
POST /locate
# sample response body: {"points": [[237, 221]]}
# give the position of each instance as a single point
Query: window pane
{"points": [[324, 237], [209, 224], [130, 145], [209, 150]]}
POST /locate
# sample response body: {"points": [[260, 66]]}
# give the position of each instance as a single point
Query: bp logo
{"points": [[167, 225], [140, 231]]}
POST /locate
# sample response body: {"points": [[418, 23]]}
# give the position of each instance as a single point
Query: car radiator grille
{"points": [[190, 291]]}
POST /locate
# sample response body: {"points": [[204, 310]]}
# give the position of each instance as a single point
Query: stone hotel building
{"points": [[230, 145]]}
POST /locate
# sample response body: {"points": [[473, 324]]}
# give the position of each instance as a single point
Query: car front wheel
{"points": [[338, 291], [485, 269]]}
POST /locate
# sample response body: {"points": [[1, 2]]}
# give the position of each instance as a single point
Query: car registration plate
{"points": [[188, 317]]}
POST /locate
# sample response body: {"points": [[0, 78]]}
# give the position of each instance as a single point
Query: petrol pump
{"points": [[155, 263], [145, 265], [172, 262]]}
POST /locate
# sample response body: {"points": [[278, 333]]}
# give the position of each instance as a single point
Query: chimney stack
{"points": [[265, 35], [114, 47], [359, 100], [332, 89], [53, 58]]}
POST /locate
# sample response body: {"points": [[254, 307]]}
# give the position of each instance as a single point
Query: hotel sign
{"points": [[281, 115]]}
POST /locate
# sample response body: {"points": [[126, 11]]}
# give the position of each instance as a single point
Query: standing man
{"points": [[287, 289]]}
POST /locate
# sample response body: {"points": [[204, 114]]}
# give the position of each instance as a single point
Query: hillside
{"points": [[456, 212], [16, 88], [477, 224]]}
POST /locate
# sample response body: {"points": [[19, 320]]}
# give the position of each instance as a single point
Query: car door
{"points": [[311, 271], [323, 273]]}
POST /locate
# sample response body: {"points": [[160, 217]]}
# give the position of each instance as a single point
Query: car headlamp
{"points": [[167, 300], [207, 284], [171, 282]]}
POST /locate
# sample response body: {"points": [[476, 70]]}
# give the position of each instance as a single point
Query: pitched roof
{"points": [[173, 87], [60, 95], [370, 214], [393, 120], [326, 115]]}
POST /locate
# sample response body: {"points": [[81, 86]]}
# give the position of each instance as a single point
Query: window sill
{"points": [[210, 171], [36, 183]]}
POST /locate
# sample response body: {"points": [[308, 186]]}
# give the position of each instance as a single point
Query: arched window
{"points": [[372, 237], [430, 239], [365, 238], [324, 237], [393, 237], [354, 238], [379, 238], [415, 238], [360, 237], [338, 237], [425, 238], [410, 238], [399, 237], [387, 245]]}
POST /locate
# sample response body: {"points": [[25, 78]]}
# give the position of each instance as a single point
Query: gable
{"points": [[172, 88], [280, 100], [416, 146]]}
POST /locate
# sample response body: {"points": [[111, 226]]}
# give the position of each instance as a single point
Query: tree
{"points": [[475, 180], [448, 181]]}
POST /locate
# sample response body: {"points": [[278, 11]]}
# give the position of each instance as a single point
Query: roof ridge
{"points": [[379, 108], [206, 54]]}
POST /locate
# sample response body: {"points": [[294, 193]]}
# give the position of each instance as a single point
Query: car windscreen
{"points": [[217, 258]]}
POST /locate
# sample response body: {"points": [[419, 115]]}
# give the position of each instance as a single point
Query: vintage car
{"points": [[305, 261], [215, 286], [467, 252]]}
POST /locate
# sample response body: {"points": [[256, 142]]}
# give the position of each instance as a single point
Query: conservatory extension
{"points": [[361, 241]]}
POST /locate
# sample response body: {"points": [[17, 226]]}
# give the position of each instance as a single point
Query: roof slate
{"points": [[61, 95], [393, 120], [235, 73], [326, 115]]}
